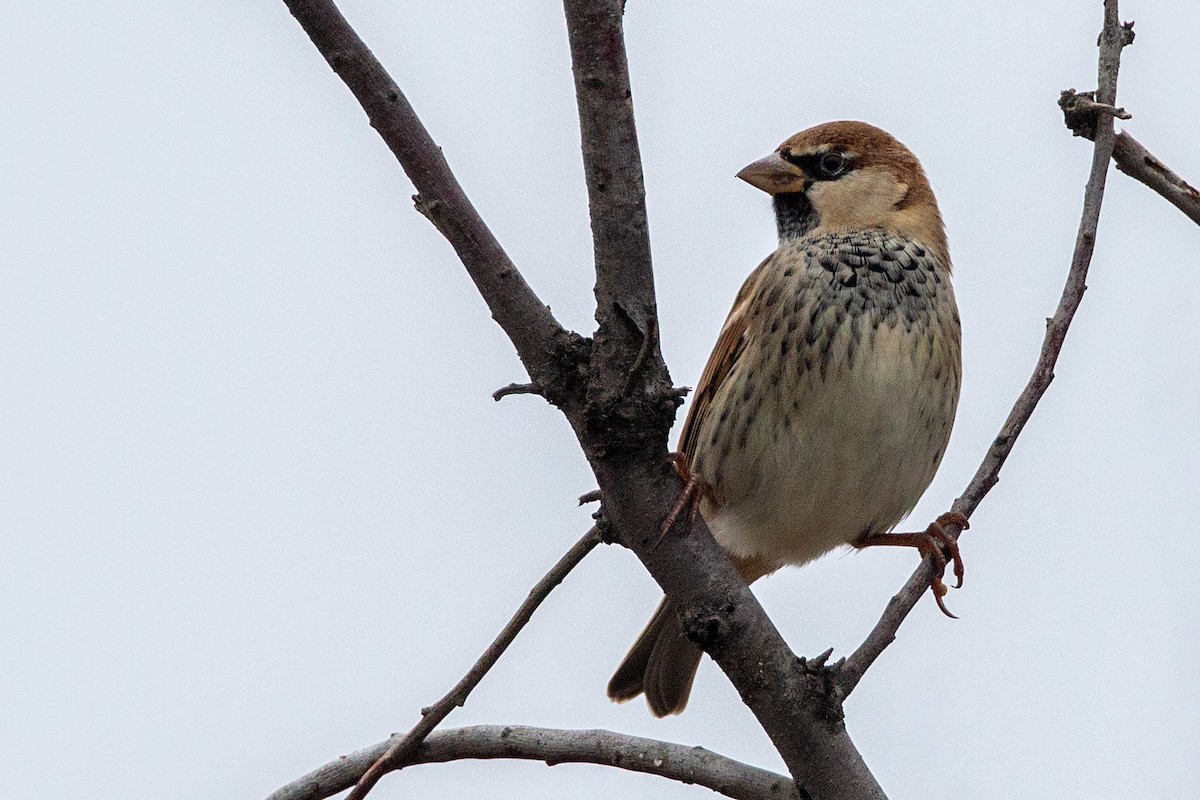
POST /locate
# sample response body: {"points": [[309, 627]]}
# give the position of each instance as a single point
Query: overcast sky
{"points": [[258, 507]]}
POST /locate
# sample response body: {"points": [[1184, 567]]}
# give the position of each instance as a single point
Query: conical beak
{"points": [[774, 175]]}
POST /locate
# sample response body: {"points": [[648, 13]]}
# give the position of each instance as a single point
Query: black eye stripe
{"points": [[820, 166]]}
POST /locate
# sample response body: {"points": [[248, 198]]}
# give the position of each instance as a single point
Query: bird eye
{"points": [[832, 165]]}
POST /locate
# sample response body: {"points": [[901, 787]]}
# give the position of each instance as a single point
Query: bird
{"points": [[826, 405]]}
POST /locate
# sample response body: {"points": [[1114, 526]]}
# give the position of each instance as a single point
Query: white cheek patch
{"points": [[863, 199]]}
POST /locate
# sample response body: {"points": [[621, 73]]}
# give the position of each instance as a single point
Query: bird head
{"points": [[845, 176]]}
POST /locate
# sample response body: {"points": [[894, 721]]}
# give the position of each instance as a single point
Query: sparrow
{"points": [[826, 405]]}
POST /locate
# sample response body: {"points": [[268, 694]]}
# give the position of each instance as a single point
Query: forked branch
{"points": [[1080, 115]]}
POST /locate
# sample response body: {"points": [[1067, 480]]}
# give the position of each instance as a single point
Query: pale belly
{"points": [[826, 460], [838, 404]]}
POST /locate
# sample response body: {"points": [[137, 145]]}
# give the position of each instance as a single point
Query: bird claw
{"points": [[694, 489], [937, 535], [935, 543], [939, 589], [937, 530]]}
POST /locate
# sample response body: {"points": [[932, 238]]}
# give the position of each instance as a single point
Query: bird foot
{"points": [[934, 543], [695, 489]]}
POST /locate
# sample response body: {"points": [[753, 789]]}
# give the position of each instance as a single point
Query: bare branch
{"points": [[1113, 38], [1080, 110], [527, 321], [401, 748], [612, 161], [1079, 114], [678, 762], [1137, 162], [516, 388]]}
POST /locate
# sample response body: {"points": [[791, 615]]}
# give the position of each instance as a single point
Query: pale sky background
{"points": [[258, 507]]}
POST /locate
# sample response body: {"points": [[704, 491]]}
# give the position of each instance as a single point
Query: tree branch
{"points": [[693, 765], [612, 163], [401, 748], [541, 342], [1079, 114], [1137, 162], [1113, 38], [516, 388]]}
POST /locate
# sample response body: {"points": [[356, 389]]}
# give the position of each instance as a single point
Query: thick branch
{"points": [[675, 761], [1113, 38], [612, 161], [525, 319], [402, 747]]}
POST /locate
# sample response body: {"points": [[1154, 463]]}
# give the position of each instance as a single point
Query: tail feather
{"points": [[662, 663]]}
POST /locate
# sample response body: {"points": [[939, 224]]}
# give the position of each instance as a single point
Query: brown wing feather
{"points": [[725, 354]]}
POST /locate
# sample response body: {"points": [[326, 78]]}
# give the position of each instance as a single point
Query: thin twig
{"points": [[516, 388], [554, 746], [1113, 38], [401, 748], [1081, 106], [1137, 162]]}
